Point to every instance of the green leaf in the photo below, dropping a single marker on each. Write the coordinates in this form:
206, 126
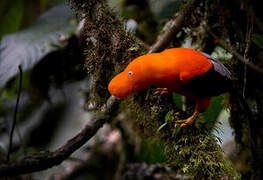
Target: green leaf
169, 116
27, 47
213, 110
258, 40
176, 130
177, 100
11, 14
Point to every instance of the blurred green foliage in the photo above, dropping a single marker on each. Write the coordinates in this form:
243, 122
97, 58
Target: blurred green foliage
11, 16
44, 4
10, 91
151, 152
18, 14
177, 100
258, 40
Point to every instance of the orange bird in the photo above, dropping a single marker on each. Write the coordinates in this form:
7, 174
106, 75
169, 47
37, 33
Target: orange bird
184, 71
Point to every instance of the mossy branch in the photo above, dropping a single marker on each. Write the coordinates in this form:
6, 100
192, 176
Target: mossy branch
44, 160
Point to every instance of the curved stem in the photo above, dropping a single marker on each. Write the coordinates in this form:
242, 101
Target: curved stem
15, 113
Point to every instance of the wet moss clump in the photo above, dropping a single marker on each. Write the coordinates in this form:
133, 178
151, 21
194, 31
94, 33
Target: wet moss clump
148, 111
108, 46
195, 152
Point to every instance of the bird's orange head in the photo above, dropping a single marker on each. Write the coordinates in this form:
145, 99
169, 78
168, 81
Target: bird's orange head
121, 85
132, 79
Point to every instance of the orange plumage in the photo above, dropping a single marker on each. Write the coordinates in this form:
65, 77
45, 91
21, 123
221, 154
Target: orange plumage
180, 70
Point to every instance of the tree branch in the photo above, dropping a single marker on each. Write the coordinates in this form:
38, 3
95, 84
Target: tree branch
175, 26
144, 171
45, 160
234, 52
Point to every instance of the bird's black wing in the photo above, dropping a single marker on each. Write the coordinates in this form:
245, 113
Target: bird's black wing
219, 67
214, 82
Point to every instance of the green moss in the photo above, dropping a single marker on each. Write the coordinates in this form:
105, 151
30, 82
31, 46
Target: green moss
108, 47
135, 47
171, 116
197, 154
148, 111
42, 155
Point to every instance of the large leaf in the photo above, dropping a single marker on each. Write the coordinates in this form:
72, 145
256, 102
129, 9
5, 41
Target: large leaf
27, 47
215, 107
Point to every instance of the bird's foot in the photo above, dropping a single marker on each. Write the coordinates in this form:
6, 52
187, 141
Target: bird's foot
161, 91
187, 121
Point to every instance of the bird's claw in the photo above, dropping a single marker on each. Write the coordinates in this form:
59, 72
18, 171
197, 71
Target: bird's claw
182, 123
160, 91
187, 121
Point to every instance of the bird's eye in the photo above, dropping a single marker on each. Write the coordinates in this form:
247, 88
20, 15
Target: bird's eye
130, 73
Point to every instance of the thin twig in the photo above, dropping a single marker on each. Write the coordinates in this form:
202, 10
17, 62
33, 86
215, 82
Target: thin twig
175, 26
250, 23
252, 132
15, 113
234, 52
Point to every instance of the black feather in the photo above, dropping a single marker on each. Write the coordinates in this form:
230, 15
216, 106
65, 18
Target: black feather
218, 66
214, 82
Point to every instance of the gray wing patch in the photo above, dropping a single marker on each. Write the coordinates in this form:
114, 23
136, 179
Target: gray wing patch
218, 66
